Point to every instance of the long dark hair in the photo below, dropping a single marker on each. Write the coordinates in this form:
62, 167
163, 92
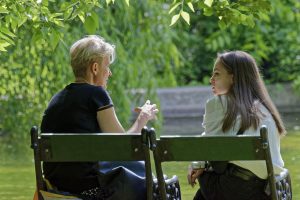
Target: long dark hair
247, 91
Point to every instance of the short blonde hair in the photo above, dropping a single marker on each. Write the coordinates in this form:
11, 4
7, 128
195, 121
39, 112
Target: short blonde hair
89, 50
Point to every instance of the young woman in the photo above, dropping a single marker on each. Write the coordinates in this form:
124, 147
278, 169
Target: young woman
240, 106
85, 106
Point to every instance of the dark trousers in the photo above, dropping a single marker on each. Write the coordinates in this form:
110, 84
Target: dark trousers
225, 186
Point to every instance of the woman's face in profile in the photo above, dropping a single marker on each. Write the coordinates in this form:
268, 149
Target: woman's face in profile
103, 73
221, 81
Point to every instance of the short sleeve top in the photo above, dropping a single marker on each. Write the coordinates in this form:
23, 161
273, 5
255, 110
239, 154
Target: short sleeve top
74, 110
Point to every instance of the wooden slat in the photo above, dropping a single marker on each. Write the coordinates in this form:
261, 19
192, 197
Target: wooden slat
221, 148
91, 147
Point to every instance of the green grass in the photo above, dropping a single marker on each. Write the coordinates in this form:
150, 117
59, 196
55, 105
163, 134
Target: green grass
17, 180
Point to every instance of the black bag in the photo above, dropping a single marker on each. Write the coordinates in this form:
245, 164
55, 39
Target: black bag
127, 181
219, 166
123, 180
283, 186
172, 188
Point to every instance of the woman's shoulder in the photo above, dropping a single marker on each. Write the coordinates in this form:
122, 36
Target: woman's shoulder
86, 91
216, 103
88, 88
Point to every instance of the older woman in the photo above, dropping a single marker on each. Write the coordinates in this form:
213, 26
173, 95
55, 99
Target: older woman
84, 106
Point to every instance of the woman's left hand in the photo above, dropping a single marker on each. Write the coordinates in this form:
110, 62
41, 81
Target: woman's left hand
193, 174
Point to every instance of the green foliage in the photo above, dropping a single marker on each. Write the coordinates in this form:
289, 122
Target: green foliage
227, 12
36, 36
274, 42
46, 16
37, 66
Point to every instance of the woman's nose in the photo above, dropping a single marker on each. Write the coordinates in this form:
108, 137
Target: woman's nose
211, 80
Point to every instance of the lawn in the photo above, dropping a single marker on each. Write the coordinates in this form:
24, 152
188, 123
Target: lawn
17, 180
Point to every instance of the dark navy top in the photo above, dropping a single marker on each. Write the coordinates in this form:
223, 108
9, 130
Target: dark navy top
74, 110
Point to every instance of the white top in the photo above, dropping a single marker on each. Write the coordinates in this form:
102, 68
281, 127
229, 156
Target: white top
215, 110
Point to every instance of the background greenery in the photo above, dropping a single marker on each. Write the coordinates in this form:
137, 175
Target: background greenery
274, 42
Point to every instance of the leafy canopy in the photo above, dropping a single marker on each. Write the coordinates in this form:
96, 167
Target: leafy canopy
46, 17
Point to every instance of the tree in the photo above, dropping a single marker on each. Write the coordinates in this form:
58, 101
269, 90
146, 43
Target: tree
274, 42
31, 72
47, 17
36, 36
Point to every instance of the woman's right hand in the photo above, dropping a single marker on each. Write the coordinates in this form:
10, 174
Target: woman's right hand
147, 112
193, 174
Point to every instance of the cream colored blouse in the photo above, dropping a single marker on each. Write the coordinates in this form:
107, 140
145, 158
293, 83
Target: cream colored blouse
215, 110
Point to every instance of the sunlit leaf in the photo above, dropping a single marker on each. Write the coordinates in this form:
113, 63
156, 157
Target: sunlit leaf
174, 19
21, 21
3, 10
5, 30
250, 22
14, 23
191, 6
186, 17
222, 24
81, 17
208, 11
3, 45
89, 25
96, 19
71, 5
208, 2
174, 7
36, 36
54, 39
9, 40
243, 8
109, 2
127, 2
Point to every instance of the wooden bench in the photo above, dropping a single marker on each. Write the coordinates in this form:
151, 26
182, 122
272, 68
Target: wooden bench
59, 147
221, 148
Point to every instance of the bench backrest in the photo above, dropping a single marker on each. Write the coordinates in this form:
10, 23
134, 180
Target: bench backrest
61, 147
213, 148
219, 148
90, 147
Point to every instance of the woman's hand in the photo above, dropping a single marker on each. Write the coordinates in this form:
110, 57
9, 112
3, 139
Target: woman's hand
147, 112
193, 174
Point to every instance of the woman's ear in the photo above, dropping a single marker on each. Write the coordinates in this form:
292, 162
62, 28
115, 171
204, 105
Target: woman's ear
94, 68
